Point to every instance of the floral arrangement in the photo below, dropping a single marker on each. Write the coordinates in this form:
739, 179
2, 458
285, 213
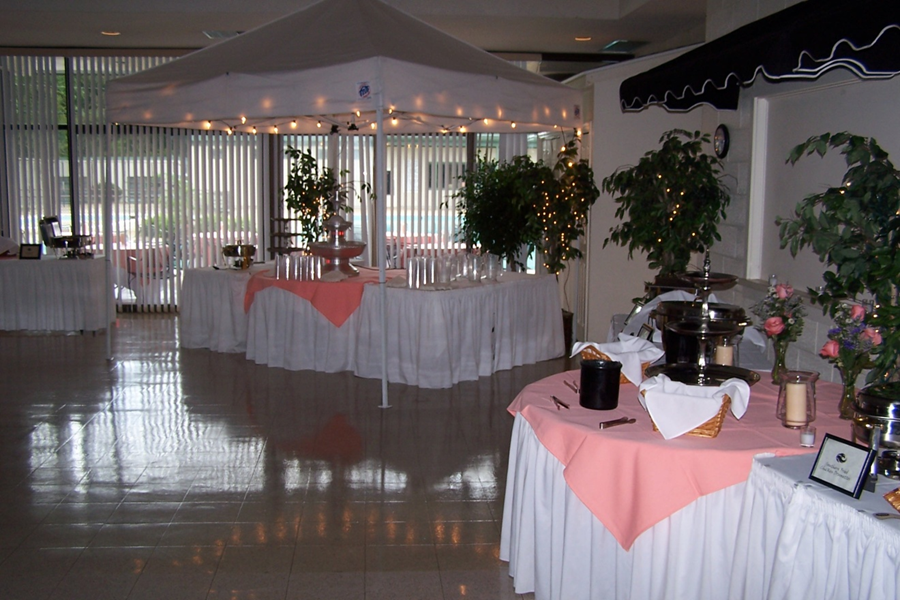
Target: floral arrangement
782, 314
849, 347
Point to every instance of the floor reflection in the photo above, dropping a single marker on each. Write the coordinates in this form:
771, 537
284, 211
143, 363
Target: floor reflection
207, 476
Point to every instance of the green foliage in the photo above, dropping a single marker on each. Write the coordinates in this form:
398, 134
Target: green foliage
564, 212
520, 204
315, 195
673, 200
854, 229
496, 205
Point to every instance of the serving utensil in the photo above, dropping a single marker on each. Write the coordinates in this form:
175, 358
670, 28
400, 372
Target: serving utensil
614, 422
884, 516
559, 402
571, 385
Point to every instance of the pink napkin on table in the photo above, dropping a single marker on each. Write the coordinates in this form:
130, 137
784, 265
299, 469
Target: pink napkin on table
335, 300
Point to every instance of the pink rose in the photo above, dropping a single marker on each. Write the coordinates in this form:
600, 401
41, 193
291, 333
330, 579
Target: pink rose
857, 312
784, 291
830, 349
872, 334
773, 326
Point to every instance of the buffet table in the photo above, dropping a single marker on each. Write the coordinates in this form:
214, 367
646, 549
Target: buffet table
622, 513
800, 540
53, 294
434, 338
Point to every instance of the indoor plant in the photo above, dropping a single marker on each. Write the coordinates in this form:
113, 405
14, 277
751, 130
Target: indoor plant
566, 204
522, 205
315, 195
496, 206
854, 229
671, 202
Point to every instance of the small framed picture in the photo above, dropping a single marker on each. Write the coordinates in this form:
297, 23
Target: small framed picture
842, 465
29, 251
646, 332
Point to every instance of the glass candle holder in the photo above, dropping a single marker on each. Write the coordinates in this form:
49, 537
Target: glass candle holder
727, 352
796, 406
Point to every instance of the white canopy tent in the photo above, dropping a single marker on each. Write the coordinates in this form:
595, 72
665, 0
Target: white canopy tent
344, 62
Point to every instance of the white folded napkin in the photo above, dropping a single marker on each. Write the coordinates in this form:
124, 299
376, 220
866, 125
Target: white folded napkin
676, 408
333, 276
397, 282
631, 351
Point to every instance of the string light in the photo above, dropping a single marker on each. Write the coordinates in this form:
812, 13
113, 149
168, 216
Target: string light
319, 124
294, 124
275, 129
207, 124
513, 124
253, 130
243, 120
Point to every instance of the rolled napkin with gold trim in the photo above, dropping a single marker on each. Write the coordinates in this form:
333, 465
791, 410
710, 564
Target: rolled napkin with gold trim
633, 352
677, 408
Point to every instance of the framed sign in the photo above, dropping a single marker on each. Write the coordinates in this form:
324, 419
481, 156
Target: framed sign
842, 465
30, 251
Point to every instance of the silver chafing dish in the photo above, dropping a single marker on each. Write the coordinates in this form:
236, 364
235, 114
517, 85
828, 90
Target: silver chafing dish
240, 254
879, 406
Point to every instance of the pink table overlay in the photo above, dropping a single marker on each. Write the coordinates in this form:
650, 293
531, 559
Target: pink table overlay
631, 478
335, 300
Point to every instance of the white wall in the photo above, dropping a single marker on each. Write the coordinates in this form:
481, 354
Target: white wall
796, 111
620, 139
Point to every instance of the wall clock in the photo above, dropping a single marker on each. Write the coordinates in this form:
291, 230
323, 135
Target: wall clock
720, 141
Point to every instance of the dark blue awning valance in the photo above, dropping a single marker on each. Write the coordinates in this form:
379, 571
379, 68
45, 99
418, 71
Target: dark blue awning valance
801, 42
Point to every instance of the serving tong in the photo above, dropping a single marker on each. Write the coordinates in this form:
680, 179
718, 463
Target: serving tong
614, 422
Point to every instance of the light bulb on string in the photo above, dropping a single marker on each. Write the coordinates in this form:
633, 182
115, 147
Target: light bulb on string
243, 120
294, 124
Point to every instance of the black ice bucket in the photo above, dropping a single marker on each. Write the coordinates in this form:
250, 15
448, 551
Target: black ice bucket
600, 384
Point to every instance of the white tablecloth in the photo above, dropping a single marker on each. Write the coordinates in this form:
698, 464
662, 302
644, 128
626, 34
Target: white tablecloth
799, 540
768, 538
212, 309
435, 338
559, 550
53, 294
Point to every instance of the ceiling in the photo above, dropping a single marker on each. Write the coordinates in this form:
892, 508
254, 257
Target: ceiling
539, 33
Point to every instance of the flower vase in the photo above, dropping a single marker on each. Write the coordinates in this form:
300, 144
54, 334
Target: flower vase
780, 365
848, 394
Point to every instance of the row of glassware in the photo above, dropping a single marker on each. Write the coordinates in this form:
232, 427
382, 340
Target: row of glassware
301, 267
442, 270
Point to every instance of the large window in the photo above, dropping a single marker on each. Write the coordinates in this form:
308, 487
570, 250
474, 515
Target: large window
177, 196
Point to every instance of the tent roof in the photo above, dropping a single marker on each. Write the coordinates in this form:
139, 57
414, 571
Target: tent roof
335, 58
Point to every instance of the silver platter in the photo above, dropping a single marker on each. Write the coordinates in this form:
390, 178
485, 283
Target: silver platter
692, 374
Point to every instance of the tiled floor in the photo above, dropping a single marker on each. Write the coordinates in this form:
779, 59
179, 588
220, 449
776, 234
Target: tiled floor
186, 474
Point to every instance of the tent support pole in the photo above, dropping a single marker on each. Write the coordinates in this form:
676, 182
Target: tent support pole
107, 241
381, 235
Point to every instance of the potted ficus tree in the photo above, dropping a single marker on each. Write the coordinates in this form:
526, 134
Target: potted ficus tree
670, 203
496, 207
511, 209
854, 229
315, 195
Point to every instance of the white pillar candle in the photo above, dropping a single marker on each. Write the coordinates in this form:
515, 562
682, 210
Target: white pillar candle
795, 404
725, 355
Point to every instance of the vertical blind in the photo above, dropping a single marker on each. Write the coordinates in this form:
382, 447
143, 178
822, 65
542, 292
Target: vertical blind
178, 196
